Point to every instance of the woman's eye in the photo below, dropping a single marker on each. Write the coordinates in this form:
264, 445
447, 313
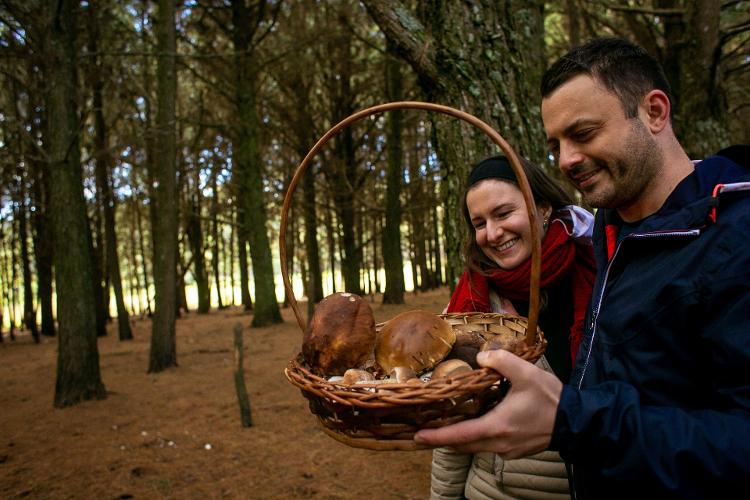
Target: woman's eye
503, 215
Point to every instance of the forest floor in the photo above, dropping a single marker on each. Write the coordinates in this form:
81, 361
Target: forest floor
177, 434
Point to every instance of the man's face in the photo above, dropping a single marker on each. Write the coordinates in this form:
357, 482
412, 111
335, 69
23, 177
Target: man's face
610, 158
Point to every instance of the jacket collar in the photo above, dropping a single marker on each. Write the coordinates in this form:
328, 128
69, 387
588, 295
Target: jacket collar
691, 202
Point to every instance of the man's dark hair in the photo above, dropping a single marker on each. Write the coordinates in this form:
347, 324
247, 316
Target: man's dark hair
625, 69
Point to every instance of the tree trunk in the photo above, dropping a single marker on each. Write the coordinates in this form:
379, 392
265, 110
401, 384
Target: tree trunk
43, 249
29, 313
377, 237
485, 58
8, 276
573, 15
418, 204
144, 262
247, 301
101, 153
232, 238
248, 164
78, 375
135, 282
393, 259
701, 120
195, 236
331, 232
435, 222
215, 236
310, 219
97, 264
163, 352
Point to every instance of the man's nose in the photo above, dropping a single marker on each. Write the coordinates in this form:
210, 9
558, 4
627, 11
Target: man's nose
569, 157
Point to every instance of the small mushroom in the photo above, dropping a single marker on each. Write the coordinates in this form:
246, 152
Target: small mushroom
355, 375
402, 374
416, 339
451, 368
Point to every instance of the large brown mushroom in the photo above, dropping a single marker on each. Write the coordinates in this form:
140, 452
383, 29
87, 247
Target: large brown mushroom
508, 341
340, 335
468, 344
415, 339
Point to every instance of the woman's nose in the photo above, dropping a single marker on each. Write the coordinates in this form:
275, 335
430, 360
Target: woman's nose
494, 231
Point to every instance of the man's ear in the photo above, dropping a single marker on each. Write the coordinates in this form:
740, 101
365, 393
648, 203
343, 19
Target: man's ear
656, 108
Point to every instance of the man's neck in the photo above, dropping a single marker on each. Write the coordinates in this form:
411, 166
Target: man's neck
676, 167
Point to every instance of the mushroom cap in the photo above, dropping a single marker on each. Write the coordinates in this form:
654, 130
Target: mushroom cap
506, 341
402, 374
340, 335
450, 368
416, 339
468, 344
354, 375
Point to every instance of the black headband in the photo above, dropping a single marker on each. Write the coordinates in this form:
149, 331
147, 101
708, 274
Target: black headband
497, 167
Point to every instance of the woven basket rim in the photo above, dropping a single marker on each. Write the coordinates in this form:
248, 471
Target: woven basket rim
369, 395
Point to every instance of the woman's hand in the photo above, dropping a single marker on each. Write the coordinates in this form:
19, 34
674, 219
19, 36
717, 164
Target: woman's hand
520, 425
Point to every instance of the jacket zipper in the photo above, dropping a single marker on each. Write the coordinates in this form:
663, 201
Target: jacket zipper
595, 312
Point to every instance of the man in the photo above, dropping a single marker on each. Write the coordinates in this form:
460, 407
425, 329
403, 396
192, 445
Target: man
659, 401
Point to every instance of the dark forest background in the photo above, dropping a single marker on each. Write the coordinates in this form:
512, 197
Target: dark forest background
146, 147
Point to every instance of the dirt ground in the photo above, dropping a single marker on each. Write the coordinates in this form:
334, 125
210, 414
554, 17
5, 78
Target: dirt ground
177, 434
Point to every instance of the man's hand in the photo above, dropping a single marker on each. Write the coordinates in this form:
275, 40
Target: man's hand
520, 425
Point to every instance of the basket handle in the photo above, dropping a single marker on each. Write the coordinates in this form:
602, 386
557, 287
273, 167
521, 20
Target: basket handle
447, 110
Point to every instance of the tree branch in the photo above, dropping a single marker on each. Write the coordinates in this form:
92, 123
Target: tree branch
643, 10
407, 34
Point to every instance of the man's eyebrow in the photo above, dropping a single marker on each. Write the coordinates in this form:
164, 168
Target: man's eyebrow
579, 123
551, 141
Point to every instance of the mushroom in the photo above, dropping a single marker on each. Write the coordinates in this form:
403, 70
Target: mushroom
507, 341
468, 344
450, 368
415, 339
340, 335
355, 375
402, 374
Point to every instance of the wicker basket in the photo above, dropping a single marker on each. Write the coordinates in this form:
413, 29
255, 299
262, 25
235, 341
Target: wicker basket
386, 416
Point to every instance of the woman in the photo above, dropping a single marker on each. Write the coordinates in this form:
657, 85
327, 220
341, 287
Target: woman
497, 279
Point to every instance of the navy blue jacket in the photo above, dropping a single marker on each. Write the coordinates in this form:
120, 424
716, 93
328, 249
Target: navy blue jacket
659, 402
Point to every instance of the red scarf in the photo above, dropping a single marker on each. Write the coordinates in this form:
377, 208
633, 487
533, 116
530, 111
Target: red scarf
560, 255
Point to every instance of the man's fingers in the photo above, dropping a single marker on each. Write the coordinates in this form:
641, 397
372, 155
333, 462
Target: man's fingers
461, 433
508, 364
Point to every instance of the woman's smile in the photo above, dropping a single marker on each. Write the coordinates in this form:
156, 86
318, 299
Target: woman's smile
507, 245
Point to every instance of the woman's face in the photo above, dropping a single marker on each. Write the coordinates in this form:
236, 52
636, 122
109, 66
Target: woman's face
501, 222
